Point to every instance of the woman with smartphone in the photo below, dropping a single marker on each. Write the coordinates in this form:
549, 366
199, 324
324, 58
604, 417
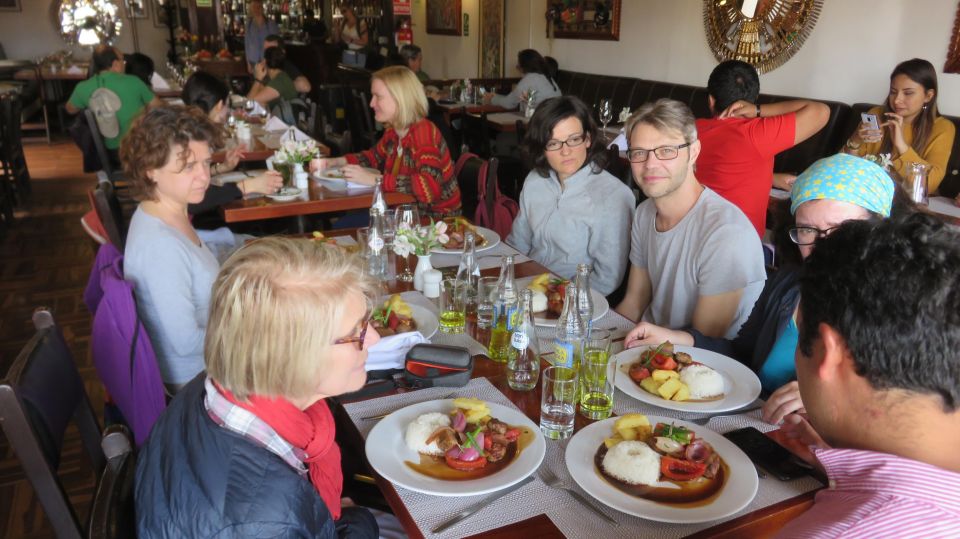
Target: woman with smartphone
820, 201
908, 126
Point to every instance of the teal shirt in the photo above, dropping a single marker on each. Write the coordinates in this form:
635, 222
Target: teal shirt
779, 368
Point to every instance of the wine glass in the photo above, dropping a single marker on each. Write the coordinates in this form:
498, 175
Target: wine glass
606, 114
409, 215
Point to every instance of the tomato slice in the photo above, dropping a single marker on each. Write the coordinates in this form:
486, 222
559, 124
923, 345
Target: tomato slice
639, 374
512, 435
681, 470
465, 466
663, 362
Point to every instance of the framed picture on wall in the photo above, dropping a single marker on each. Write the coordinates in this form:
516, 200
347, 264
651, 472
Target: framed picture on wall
160, 14
136, 9
584, 19
491, 39
9, 5
444, 17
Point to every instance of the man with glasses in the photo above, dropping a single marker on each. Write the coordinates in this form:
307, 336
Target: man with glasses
742, 139
695, 261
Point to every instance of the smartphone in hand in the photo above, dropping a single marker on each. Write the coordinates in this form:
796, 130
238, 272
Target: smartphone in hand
870, 120
766, 453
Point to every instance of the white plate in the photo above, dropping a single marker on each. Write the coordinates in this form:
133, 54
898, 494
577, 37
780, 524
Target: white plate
387, 452
740, 384
286, 194
739, 490
600, 305
237, 175
427, 323
335, 174
491, 237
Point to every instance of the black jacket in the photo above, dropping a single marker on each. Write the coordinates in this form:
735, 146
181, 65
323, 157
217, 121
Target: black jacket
197, 479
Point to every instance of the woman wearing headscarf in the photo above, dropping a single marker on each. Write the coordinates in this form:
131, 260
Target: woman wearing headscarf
833, 190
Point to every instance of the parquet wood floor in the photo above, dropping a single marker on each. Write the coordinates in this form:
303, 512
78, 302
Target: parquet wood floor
45, 259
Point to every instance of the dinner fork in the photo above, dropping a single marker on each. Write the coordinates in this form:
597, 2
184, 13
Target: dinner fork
702, 421
554, 481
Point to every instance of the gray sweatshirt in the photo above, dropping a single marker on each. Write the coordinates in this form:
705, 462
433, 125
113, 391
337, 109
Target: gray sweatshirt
545, 90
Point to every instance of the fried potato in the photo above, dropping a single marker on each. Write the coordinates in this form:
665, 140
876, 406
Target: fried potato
651, 385
682, 394
669, 388
469, 403
662, 375
539, 283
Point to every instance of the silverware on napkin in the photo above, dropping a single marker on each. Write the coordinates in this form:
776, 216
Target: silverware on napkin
469, 511
385, 414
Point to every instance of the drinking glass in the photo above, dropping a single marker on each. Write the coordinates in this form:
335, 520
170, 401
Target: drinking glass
286, 172
597, 376
606, 114
558, 402
389, 235
453, 297
409, 215
486, 295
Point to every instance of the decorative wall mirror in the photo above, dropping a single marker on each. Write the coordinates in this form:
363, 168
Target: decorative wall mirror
763, 33
584, 19
953, 52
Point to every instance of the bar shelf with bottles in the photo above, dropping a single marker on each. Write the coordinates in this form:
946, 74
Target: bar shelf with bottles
289, 15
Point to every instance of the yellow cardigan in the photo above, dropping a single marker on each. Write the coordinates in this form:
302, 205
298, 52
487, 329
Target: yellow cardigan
935, 155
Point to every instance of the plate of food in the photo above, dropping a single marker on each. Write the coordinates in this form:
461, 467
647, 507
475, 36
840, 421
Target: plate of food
335, 174
548, 299
457, 227
661, 469
395, 316
286, 194
455, 447
685, 378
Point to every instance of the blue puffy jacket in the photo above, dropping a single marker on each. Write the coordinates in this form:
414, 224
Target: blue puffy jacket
196, 479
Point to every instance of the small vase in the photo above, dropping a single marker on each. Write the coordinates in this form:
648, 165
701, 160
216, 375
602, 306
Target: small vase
423, 264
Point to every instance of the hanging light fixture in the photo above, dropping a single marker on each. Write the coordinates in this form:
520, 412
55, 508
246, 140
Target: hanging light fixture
89, 22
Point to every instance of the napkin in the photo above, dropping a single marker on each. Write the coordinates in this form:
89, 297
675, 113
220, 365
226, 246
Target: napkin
297, 135
620, 141
275, 124
391, 351
76, 70
158, 82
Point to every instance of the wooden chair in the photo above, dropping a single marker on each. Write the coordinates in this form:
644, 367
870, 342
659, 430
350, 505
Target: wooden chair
113, 514
113, 173
360, 120
476, 133
468, 179
108, 208
13, 160
40, 394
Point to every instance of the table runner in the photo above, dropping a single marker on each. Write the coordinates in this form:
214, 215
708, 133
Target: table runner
570, 517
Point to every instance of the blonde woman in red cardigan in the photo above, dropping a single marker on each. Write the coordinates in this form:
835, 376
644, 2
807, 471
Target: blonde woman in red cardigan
412, 156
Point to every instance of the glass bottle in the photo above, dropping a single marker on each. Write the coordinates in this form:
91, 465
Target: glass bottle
523, 365
469, 272
376, 246
917, 183
503, 312
379, 204
584, 297
531, 103
568, 344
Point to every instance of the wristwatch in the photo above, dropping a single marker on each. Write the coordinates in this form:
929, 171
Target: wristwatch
758, 110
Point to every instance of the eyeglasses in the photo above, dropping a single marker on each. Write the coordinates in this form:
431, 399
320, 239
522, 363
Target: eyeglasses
572, 141
807, 235
663, 153
359, 339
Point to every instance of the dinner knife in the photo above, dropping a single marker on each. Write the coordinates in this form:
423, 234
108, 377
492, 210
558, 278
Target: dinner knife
469, 511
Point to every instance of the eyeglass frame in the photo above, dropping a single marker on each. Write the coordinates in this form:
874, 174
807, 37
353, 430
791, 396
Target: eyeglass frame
583, 134
793, 231
675, 147
359, 339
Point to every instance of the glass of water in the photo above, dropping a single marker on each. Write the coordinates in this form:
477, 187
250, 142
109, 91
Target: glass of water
406, 214
486, 293
558, 402
453, 298
597, 376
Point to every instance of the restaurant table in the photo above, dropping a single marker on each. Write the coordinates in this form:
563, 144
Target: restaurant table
525, 513
455, 109
318, 199
505, 122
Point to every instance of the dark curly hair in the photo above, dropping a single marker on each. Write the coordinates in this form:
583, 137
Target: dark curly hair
731, 81
891, 289
154, 134
540, 130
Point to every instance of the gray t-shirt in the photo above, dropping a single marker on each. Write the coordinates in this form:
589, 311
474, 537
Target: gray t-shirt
585, 223
714, 249
173, 280
545, 87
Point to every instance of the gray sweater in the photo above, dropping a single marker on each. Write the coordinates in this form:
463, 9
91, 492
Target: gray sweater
545, 88
585, 222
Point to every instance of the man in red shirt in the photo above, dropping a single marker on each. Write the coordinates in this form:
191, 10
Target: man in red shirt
741, 140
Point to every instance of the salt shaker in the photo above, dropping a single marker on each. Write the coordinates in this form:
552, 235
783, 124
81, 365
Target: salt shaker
431, 283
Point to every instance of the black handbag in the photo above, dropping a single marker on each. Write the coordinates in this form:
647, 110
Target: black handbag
433, 365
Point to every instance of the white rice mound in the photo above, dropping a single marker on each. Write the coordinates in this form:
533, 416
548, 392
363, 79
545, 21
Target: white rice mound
539, 302
703, 381
421, 428
633, 462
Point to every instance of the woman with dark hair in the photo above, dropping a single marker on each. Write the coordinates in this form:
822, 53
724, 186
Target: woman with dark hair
571, 210
911, 128
166, 158
210, 94
353, 30
536, 76
270, 82
139, 65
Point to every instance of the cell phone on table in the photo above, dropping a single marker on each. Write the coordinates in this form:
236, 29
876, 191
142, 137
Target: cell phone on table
871, 120
766, 453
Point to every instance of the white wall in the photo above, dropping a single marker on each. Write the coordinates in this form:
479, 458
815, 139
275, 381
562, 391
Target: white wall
848, 56
30, 33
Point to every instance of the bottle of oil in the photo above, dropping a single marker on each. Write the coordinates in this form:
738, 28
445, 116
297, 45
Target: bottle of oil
504, 310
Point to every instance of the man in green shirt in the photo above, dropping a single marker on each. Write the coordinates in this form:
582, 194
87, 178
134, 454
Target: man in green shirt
414, 57
132, 93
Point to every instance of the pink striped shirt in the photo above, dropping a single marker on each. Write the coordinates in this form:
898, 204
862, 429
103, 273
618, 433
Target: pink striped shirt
875, 495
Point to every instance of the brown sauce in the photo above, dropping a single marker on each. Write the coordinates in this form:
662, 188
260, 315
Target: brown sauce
436, 467
696, 493
625, 369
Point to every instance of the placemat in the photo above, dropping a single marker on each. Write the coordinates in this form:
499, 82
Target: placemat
464, 340
570, 517
485, 259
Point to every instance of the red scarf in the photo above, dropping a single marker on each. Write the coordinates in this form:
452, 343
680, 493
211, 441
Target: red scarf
311, 430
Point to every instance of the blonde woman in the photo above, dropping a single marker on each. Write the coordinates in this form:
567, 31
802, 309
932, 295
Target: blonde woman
412, 156
247, 449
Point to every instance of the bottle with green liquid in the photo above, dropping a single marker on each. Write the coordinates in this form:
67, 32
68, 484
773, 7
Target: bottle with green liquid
504, 311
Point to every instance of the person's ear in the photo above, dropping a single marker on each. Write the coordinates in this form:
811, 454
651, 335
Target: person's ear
712, 103
835, 353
